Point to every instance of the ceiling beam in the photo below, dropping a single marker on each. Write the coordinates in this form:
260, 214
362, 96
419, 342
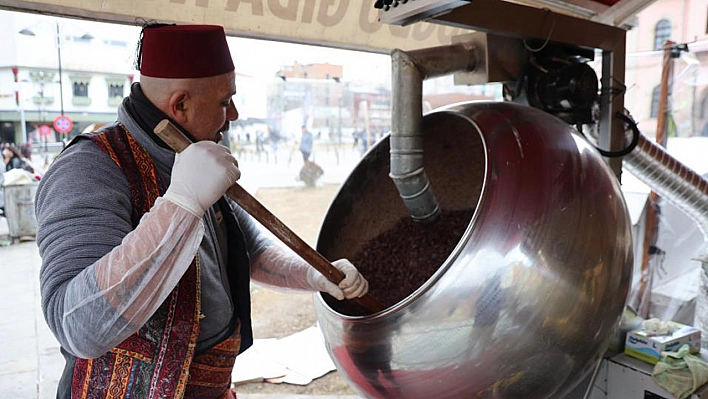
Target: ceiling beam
622, 12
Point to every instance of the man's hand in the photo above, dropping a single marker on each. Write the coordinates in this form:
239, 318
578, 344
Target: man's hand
201, 174
354, 284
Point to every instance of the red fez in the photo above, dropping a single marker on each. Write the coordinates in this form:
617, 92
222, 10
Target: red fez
185, 51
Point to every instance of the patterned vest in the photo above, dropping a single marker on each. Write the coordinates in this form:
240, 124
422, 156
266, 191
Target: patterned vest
159, 360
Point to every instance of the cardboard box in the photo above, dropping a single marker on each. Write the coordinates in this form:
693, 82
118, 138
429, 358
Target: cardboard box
630, 378
644, 347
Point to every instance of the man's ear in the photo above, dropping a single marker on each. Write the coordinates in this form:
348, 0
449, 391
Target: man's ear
178, 106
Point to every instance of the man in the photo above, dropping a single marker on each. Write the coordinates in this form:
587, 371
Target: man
2, 191
306, 144
11, 158
146, 265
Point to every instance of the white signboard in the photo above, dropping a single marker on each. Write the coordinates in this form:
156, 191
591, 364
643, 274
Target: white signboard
349, 24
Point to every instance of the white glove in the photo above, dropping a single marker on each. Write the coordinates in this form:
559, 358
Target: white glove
354, 284
201, 174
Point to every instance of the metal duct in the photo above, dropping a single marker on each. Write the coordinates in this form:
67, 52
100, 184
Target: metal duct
684, 188
672, 180
409, 71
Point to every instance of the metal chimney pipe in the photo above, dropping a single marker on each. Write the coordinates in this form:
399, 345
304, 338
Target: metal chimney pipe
409, 69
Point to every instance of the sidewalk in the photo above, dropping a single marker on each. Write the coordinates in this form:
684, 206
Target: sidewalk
263, 171
30, 362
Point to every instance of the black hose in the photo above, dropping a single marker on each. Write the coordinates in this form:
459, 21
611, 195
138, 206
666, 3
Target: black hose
635, 138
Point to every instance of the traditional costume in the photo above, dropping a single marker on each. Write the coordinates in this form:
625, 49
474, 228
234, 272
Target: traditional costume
93, 197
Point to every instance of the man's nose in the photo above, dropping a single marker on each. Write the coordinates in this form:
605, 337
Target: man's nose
232, 114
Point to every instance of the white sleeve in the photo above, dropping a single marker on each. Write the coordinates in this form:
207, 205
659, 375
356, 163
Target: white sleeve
280, 268
111, 299
101, 279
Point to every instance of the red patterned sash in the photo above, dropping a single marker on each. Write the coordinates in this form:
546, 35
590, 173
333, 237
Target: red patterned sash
210, 372
154, 362
158, 361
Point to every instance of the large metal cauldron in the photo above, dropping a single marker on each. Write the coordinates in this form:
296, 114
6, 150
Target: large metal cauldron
526, 303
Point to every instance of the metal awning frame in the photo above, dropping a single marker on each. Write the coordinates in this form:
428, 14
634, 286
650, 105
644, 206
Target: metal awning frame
524, 22
620, 14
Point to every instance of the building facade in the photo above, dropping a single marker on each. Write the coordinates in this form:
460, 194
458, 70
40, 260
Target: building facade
51, 67
680, 21
312, 95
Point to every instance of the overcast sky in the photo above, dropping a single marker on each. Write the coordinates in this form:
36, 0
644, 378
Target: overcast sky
258, 58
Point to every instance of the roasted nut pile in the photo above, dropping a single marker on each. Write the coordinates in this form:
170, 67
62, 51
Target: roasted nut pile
401, 259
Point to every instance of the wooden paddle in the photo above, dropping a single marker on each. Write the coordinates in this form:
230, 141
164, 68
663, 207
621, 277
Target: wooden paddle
178, 142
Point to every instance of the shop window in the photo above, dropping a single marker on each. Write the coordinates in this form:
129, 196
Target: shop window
703, 112
80, 90
655, 102
42, 81
662, 33
115, 89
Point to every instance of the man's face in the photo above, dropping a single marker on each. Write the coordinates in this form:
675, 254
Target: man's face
212, 108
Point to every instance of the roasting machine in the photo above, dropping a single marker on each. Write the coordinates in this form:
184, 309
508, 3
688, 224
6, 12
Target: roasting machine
525, 301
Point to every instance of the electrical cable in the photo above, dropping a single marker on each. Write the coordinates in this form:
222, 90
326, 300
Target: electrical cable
635, 138
548, 38
613, 90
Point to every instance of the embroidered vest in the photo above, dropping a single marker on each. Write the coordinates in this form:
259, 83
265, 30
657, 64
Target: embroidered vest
159, 360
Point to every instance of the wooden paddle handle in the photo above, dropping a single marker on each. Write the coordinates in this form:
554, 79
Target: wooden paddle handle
166, 131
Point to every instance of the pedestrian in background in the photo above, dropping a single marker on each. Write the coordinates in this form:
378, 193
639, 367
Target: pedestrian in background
306, 142
2, 191
11, 158
26, 150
